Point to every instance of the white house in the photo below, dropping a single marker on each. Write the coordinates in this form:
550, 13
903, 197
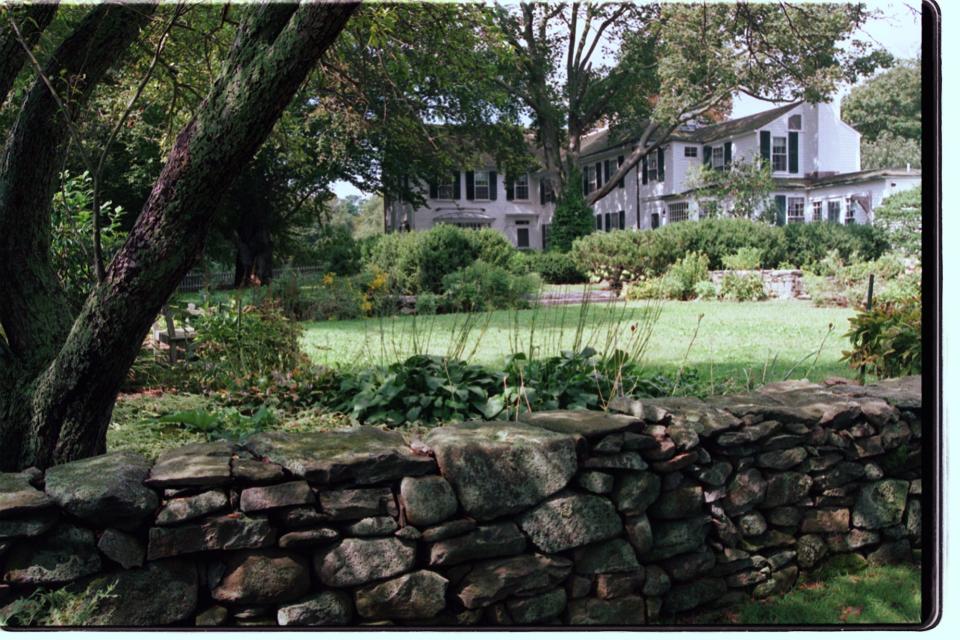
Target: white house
814, 156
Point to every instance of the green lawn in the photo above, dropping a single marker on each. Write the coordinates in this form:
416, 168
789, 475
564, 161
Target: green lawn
766, 339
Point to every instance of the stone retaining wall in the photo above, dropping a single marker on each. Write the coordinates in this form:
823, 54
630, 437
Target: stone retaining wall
671, 506
781, 284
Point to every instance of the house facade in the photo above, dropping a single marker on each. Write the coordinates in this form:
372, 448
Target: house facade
814, 157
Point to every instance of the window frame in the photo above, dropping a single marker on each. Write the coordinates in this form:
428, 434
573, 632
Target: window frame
790, 120
524, 182
479, 176
817, 214
653, 167
849, 215
526, 230
684, 206
440, 191
591, 173
835, 202
792, 217
774, 155
687, 154
717, 162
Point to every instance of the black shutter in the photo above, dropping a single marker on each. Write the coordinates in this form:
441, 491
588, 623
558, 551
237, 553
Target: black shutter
469, 175
599, 222
644, 170
794, 151
623, 220
661, 170
765, 145
433, 189
543, 191
707, 155
508, 187
606, 171
456, 185
781, 210
586, 186
621, 184
654, 220
727, 155
599, 168
493, 185
606, 222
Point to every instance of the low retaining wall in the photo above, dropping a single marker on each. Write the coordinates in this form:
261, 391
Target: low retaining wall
782, 284
571, 517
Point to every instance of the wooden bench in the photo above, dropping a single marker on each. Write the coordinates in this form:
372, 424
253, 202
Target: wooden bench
168, 334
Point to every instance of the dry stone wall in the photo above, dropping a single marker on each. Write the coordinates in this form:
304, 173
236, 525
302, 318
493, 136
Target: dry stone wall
660, 507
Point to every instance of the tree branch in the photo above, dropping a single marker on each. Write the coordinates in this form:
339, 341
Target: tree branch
32, 21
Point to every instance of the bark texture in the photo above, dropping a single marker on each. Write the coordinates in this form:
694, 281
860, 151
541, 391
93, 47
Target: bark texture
70, 401
31, 20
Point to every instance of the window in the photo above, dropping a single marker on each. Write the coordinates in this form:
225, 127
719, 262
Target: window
445, 191
678, 212
794, 123
689, 152
590, 175
546, 191
794, 210
779, 153
523, 237
817, 211
833, 211
521, 188
851, 217
652, 167
716, 158
481, 185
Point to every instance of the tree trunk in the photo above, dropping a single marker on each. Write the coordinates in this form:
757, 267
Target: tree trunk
254, 258
70, 401
31, 20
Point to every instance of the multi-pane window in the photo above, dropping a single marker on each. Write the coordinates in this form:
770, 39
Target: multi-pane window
679, 211
794, 122
445, 191
652, 167
817, 211
689, 152
833, 211
779, 154
716, 158
851, 214
590, 172
521, 188
481, 185
794, 210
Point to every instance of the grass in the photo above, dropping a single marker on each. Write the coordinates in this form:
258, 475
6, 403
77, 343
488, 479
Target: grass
874, 595
743, 341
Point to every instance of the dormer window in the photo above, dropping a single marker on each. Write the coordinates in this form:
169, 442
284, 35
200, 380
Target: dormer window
795, 123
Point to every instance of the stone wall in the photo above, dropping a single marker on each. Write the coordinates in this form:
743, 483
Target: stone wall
780, 284
670, 506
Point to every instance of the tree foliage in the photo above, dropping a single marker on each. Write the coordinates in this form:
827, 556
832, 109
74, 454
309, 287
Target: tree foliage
572, 218
743, 191
901, 216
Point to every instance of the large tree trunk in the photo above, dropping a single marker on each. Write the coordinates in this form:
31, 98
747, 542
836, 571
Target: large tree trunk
31, 20
70, 401
254, 257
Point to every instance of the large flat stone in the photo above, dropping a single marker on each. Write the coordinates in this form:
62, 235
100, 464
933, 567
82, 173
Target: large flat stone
232, 531
18, 496
538, 608
502, 539
62, 556
160, 593
263, 577
28, 525
608, 556
353, 504
500, 468
674, 537
414, 596
571, 520
188, 508
356, 561
198, 465
364, 455
493, 580
104, 490
582, 422
324, 608
275, 496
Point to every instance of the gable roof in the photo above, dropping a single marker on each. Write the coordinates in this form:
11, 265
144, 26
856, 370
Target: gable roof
599, 141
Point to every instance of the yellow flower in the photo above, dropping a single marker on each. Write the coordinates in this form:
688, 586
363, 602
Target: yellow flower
328, 279
366, 306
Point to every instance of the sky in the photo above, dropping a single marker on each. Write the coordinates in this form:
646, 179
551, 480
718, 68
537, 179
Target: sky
897, 29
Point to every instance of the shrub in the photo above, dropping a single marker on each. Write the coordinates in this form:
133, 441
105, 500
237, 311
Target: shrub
250, 340
886, 339
615, 257
900, 216
337, 251
484, 287
743, 288
846, 284
679, 283
573, 217
745, 258
808, 244
554, 267
705, 290
416, 262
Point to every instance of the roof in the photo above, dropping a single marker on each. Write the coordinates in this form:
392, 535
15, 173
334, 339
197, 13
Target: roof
599, 141
462, 215
852, 177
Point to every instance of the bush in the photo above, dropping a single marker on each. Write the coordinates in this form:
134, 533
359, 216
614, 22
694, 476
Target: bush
679, 283
253, 340
808, 244
846, 284
416, 262
886, 339
615, 257
484, 287
901, 217
552, 266
337, 251
573, 217
705, 290
742, 288
745, 259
